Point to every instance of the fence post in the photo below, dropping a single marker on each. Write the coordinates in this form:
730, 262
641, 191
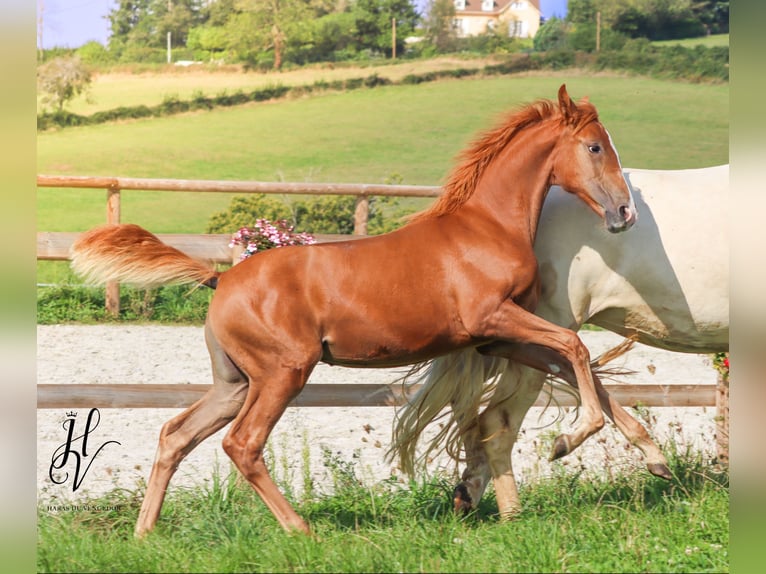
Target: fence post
361, 215
722, 419
112, 290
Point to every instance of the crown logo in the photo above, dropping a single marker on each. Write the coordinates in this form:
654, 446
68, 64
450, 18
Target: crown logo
72, 414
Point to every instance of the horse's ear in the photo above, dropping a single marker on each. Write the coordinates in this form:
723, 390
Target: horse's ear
566, 105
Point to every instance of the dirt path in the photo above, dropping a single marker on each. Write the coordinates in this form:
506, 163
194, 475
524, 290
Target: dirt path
164, 354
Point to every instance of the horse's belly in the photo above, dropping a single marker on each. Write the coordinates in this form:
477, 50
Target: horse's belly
673, 333
360, 350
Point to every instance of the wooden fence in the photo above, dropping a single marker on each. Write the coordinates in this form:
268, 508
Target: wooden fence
215, 248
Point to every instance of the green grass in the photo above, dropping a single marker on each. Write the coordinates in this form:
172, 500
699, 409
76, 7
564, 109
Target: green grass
707, 41
631, 523
365, 136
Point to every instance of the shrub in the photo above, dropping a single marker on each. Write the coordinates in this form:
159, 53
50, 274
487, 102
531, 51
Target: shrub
62, 79
332, 214
94, 53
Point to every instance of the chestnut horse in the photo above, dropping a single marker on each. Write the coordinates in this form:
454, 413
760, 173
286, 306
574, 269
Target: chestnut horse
461, 274
666, 284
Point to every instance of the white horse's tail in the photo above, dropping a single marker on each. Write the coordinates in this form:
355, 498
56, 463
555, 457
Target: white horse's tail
460, 380
465, 381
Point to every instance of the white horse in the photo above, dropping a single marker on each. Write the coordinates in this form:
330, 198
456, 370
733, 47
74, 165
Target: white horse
664, 284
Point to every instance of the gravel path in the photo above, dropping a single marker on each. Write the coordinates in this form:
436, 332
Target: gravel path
167, 354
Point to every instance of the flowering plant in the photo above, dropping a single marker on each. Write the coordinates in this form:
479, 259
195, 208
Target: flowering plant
268, 235
721, 364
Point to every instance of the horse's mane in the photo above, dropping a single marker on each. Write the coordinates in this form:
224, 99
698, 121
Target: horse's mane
474, 160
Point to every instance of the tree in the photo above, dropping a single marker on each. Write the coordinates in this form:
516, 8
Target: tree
271, 24
141, 25
552, 35
62, 79
373, 24
439, 30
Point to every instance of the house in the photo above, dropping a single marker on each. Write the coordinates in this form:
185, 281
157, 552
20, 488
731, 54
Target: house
473, 17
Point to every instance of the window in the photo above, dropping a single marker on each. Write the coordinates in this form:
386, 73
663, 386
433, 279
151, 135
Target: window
518, 29
488, 5
459, 4
519, 5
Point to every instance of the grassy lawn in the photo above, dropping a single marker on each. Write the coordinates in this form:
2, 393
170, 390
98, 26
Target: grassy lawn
411, 133
570, 523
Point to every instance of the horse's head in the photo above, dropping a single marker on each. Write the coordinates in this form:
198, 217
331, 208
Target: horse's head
586, 163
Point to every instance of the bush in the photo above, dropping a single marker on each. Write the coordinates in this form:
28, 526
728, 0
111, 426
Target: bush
63, 79
641, 57
94, 54
333, 214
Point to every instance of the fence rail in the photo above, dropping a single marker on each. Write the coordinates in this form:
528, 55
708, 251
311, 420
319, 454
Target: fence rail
124, 396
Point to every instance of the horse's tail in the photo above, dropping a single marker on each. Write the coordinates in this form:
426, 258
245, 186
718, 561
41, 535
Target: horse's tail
129, 254
458, 381
465, 381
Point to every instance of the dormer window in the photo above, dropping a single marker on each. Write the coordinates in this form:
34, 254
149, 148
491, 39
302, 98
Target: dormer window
459, 4
488, 5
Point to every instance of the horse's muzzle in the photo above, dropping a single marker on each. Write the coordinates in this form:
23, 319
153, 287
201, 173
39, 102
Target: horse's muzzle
621, 220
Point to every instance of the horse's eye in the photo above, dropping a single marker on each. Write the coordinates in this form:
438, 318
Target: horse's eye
594, 148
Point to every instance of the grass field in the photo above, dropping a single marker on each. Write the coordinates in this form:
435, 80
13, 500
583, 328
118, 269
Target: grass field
364, 136
570, 523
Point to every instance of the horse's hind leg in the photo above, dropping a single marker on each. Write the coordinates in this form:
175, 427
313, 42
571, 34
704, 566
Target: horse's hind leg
182, 433
489, 445
517, 390
269, 394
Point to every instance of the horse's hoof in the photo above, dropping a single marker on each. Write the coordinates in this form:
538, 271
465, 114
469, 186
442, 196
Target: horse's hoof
660, 469
461, 500
560, 447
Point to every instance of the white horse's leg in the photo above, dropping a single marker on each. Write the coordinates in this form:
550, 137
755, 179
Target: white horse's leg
516, 392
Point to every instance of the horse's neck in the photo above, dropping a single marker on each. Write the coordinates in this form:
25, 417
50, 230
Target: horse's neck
513, 188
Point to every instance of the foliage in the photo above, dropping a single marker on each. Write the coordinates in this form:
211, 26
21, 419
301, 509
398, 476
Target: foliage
140, 28
551, 35
437, 25
653, 19
77, 303
721, 364
333, 214
93, 54
373, 24
678, 62
62, 79
169, 106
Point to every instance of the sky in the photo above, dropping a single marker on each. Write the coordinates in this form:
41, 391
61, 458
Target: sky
72, 23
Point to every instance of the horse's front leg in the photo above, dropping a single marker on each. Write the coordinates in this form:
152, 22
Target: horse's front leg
512, 324
544, 359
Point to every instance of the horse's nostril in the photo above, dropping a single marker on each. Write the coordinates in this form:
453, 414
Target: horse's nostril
625, 212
